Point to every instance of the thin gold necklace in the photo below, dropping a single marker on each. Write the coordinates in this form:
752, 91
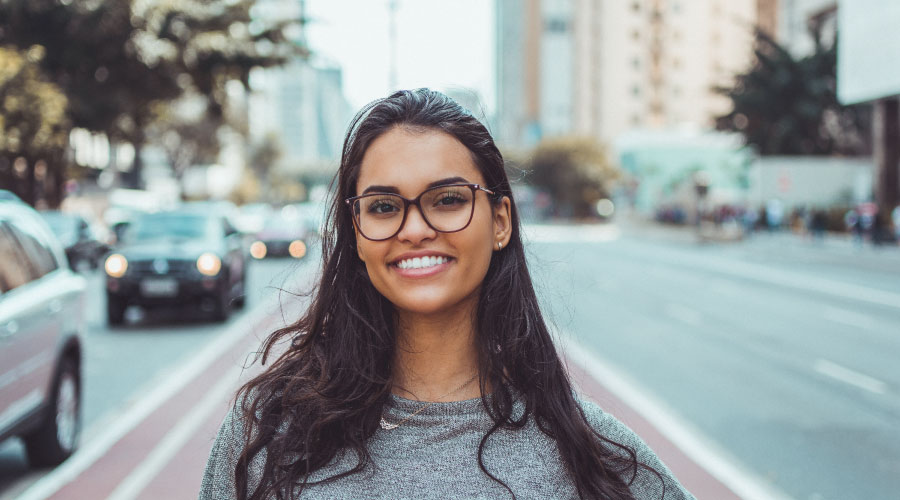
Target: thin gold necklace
389, 425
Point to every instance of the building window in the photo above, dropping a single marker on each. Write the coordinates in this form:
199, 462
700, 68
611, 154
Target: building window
636, 7
636, 90
636, 34
556, 25
636, 63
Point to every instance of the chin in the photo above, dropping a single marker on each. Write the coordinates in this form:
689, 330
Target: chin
427, 305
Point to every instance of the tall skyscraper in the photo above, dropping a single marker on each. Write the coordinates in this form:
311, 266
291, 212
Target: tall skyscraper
603, 67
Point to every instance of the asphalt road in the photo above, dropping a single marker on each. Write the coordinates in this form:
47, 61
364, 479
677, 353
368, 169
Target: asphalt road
123, 364
781, 352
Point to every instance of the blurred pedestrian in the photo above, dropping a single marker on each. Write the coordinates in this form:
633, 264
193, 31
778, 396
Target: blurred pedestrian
895, 221
818, 222
851, 221
423, 367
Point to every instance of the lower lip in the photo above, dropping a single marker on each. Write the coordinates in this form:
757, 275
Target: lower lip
422, 272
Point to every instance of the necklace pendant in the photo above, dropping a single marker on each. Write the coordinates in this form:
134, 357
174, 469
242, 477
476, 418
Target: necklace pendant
387, 425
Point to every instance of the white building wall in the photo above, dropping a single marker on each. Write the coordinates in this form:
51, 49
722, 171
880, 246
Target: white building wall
557, 67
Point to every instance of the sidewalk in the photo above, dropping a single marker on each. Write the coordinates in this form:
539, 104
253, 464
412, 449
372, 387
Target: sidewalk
158, 449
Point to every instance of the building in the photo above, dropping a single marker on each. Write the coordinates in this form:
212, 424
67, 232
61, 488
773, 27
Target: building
604, 67
302, 103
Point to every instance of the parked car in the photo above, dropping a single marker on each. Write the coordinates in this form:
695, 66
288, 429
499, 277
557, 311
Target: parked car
280, 237
41, 323
185, 256
82, 245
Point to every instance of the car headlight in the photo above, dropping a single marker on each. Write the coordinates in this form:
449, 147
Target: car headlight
258, 250
297, 249
116, 265
209, 264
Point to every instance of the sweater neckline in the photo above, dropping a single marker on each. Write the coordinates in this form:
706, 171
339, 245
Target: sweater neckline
442, 408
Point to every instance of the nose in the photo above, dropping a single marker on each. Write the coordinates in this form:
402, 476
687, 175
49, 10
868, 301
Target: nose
415, 229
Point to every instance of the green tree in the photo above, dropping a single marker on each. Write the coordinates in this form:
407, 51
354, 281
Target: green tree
574, 171
118, 60
788, 106
33, 128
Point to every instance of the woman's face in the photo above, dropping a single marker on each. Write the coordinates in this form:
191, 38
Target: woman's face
406, 162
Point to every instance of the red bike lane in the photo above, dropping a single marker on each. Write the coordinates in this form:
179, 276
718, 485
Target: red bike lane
162, 456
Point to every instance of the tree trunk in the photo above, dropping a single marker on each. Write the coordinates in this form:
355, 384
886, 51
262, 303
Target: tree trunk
133, 178
886, 138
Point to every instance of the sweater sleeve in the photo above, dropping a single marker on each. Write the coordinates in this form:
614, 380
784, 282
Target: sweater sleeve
218, 478
646, 484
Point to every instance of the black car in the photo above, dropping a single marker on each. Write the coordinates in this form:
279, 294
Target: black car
42, 304
184, 257
82, 246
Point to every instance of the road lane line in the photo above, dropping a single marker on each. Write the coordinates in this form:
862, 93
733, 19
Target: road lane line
692, 443
785, 278
138, 479
134, 415
848, 318
849, 376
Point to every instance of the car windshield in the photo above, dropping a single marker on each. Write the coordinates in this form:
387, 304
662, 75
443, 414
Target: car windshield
65, 227
171, 225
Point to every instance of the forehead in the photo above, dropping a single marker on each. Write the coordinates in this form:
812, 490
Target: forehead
411, 159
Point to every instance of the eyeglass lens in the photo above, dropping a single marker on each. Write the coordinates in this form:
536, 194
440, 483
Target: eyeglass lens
445, 208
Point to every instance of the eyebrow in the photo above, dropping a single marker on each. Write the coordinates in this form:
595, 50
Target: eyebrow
393, 189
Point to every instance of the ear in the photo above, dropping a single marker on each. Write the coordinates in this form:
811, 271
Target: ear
502, 223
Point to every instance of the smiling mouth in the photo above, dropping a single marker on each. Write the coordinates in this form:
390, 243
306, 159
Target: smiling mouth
422, 262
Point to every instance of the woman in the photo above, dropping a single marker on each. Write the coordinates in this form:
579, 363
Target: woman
423, 367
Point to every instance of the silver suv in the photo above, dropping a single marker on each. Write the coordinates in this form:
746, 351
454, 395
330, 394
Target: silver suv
41, 321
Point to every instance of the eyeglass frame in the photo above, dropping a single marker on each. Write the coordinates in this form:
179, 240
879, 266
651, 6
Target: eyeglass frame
416, 201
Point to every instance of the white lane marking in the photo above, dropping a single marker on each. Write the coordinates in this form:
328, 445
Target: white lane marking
589, 233
131, 417
691, 442
172, 443
684, 314
849, 318
790, 279
849, 376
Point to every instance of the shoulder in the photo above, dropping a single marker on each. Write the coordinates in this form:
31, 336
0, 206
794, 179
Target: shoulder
607, 425
653, 478
218, 477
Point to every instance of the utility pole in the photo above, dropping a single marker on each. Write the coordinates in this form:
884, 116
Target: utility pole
392, 34
886, 138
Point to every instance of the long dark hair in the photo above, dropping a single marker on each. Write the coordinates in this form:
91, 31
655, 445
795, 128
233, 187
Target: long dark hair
326, 391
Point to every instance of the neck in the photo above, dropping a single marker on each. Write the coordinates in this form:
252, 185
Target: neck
436, 354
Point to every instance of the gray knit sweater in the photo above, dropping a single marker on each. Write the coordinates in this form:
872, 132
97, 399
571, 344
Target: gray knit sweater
433, 455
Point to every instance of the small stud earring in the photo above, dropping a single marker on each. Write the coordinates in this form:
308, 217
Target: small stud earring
499, 246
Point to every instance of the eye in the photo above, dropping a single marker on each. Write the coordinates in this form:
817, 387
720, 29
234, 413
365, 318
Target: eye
383, 206
449, 199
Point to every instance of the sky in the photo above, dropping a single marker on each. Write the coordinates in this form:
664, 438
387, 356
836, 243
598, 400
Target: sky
440, 44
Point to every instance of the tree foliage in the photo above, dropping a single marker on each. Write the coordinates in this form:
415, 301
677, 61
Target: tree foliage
119, 62
33, 125
574, 171
788, 106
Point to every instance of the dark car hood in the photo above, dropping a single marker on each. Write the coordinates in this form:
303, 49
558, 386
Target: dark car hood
168, 248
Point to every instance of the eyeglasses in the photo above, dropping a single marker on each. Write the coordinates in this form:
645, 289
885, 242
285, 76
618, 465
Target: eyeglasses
446, 209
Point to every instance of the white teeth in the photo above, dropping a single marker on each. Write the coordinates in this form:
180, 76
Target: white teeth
421, 262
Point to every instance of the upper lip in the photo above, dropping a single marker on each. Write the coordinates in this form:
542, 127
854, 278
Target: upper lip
419, 253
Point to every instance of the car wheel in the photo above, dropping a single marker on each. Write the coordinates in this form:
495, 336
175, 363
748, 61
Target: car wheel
57, 437
115, 311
